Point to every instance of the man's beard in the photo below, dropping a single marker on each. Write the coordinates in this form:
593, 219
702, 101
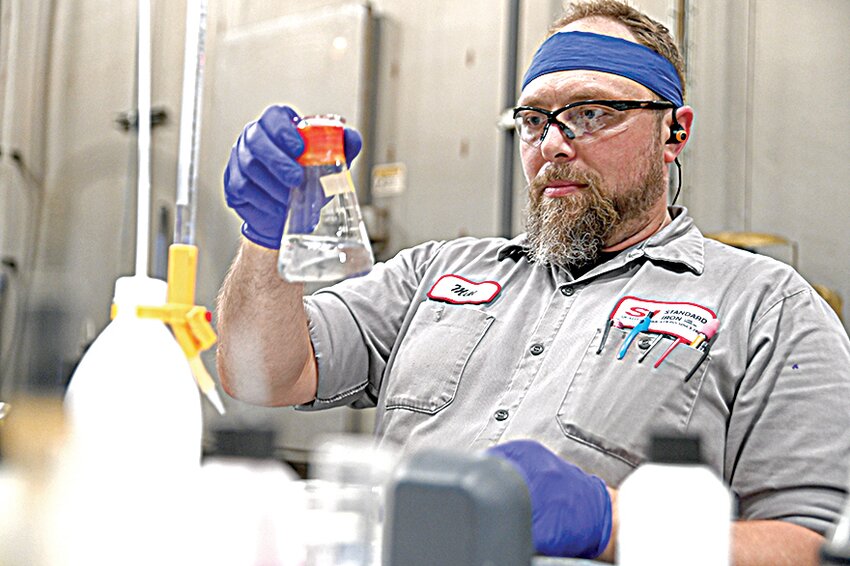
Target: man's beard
572, 230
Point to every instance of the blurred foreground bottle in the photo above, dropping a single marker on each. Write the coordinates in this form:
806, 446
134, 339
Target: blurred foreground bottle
32, 438
836, 549
324, 238
134, 413
674, 510
250, 506
344, 500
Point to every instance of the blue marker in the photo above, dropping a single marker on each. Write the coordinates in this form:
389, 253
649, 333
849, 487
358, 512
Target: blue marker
641, 326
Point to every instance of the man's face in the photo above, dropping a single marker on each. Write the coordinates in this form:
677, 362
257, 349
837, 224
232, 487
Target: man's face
594, 191
574, 213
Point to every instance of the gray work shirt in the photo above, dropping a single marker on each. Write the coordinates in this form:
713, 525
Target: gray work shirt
462, 369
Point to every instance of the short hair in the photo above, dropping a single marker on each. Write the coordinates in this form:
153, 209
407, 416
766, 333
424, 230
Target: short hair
647, 31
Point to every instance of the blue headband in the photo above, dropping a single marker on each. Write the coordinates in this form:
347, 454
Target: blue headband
566, 51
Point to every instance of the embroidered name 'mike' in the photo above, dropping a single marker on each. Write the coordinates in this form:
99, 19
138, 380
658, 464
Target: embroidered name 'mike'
461, 291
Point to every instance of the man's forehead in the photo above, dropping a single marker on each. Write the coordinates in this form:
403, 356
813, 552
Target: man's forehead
602, 26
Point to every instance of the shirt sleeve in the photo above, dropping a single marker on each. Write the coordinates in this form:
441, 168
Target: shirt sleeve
788, 446
355, 324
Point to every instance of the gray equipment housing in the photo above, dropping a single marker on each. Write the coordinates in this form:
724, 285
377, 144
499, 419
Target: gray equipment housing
457, 509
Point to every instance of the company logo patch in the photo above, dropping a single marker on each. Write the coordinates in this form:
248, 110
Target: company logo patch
461, 291
681, 319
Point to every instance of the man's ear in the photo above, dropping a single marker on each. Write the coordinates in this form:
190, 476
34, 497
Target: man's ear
677, 132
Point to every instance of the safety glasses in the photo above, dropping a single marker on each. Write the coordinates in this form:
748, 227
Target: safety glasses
583, 118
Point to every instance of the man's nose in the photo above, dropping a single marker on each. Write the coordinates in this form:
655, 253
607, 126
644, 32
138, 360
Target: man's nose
556, 146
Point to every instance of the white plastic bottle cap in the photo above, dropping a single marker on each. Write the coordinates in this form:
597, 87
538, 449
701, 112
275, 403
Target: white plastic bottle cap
135, 291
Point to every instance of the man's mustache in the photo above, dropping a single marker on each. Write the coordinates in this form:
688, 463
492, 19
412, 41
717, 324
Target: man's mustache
562, 172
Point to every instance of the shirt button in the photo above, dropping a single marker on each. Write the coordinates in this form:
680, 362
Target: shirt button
536, 349
644, 343
501, 415
567, 291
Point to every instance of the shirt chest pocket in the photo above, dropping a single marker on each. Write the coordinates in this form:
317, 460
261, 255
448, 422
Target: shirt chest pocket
615, 405
431, 359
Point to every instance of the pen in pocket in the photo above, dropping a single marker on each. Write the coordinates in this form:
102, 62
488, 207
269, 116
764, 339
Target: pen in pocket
703, 340
605, 332
608, 324
641, 326
651, 346
706, 332
706, 348
675, 343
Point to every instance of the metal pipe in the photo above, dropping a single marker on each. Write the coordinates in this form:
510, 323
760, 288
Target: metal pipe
143, 213
683, 32
371, 65
6, 129
508, 136
190, 121
749, 127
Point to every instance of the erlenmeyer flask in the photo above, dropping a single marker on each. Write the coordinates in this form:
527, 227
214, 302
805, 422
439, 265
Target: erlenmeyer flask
324, 238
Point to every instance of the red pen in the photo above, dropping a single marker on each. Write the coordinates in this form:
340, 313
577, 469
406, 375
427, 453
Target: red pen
675, 343
706, 332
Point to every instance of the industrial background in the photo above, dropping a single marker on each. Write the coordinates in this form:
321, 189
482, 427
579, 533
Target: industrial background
426, 82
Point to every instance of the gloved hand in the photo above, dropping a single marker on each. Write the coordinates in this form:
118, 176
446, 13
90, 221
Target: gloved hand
263, 169
570, 509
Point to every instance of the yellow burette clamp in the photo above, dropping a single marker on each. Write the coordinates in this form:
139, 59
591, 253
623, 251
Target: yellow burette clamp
190, 323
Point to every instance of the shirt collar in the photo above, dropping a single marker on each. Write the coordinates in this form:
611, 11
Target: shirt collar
678, 242
513, 248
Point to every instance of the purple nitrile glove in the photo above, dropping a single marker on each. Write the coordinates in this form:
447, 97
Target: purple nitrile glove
570, 509
262, 170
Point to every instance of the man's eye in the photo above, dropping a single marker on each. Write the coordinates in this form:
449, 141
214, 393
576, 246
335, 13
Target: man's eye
589, 119
592, 113
533, 120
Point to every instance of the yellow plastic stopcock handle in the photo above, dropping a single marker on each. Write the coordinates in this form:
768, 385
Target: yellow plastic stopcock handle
182, 276
199, 323
190, 323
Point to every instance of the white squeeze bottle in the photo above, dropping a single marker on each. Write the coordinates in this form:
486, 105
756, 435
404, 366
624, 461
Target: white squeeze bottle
134, 387
673, 509
134, 413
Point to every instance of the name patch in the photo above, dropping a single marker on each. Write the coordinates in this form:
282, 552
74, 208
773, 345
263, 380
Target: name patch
681, 319
459, 290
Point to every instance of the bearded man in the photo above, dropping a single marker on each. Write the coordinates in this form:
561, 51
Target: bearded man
576, 334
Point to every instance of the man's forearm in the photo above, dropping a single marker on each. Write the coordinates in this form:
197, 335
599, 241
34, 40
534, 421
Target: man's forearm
610, 552
753, 543
774, 543
264, 354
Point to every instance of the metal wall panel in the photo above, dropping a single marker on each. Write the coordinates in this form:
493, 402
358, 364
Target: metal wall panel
439, 101
715, 158
83, 161
801, 133
771, 128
